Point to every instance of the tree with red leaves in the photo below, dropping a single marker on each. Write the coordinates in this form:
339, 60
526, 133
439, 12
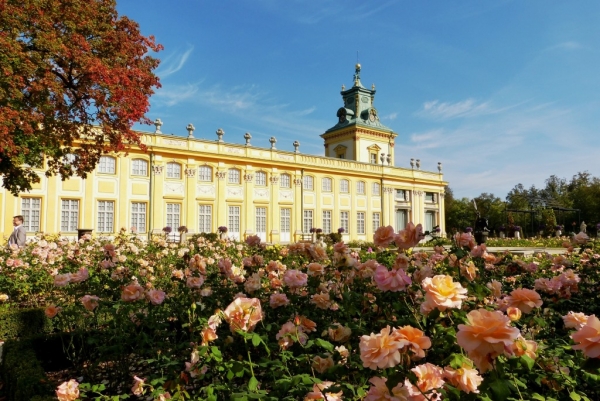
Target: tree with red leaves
74, 78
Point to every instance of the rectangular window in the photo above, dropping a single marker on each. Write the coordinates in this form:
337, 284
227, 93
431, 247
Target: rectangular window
429, 221
400, 195
173, 216
261, 178
205, 218
326, 221
344, 222
376, 221
285, 181
233, 218
360, 222
376, 189
307, 223
401, 219
360, 187
373, 158
173, 170
106, 165
30, 209
205, 173
344, 186
429, 197
308, 182
261, 219
233, 176
139, 167
326, 185
138, 217
285, 220
69, 215
106, 216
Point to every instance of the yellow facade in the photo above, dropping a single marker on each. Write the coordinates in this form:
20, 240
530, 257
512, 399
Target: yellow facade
278, 195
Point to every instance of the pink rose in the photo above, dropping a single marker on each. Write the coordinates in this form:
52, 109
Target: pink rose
61, 280
156, 297
524, 299
295, 278
379, 351
81, 275
138, 386
384, 236
394, 280
90, 302
195, 281
132, 292
410, 236
276, 300
52, 311
68, 391
253, 240
243, 314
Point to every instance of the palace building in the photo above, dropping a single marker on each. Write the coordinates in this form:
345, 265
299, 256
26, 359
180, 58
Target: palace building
277, 195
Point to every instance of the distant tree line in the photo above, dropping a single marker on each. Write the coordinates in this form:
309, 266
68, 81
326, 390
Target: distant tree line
560, 202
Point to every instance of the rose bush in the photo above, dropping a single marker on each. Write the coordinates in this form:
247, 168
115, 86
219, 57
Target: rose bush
215, 319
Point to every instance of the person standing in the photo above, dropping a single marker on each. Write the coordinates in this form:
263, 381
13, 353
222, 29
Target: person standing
19, 234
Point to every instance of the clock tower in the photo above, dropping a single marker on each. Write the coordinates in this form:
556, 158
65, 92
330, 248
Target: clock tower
359, 134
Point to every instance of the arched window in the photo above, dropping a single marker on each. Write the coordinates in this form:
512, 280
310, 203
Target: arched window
107, 165
308, 182
261, 178
344, 186
173, 170
139, 167
326, 184
285, 181
205, 173
233, 176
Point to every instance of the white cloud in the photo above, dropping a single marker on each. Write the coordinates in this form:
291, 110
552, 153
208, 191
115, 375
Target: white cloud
170, 95
446, 110
173, 63
391, 116
568, 45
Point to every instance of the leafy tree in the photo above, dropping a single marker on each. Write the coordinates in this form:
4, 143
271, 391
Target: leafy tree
74, 78
492, 208
584, 191
460, 213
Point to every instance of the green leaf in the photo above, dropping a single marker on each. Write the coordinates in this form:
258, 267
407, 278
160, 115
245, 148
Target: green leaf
325, 344
536, 396
253, 384
500, 389
527, 362
574, 396
256, 340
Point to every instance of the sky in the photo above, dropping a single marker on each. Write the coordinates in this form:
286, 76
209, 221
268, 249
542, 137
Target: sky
500, 92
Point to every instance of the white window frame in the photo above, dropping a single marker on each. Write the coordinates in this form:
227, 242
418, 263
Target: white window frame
285, 220
69, 215
261, 179
307, 221
376, 189
31, 211
308, 183
260, 218
376, 221
344, 186
107, 165
360, 187
204, 218
326, 184
233, 176
139, 167
233, 219
138, 216
174, 170
285, 181
205, 173
326, 221
345, 221
360, 222
106, 216
430, 197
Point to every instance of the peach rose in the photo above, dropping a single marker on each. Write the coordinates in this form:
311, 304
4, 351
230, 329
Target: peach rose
465, 378
417, 340
401, 262
321, 365
384, 236
486, 336
80, 276
496, 288
588, 337
381, 350
524, 299
132, 292
90, 302
307, 324
61, 280
522, 346
243, 314
138, 386
289, 334
208, 335
68, 391
429, 377
339, 333
380, 392
340, 247
322, 300
156, 297
195, 281
575, 320
410, 236
319, 393
315, 269
253, 283
295, 278
394, 280
465, 239
52, 311
442, 293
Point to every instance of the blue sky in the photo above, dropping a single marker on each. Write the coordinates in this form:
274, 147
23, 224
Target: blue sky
500, 92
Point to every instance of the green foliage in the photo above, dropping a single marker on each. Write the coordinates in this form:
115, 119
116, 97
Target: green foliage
19, 323
22, 372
